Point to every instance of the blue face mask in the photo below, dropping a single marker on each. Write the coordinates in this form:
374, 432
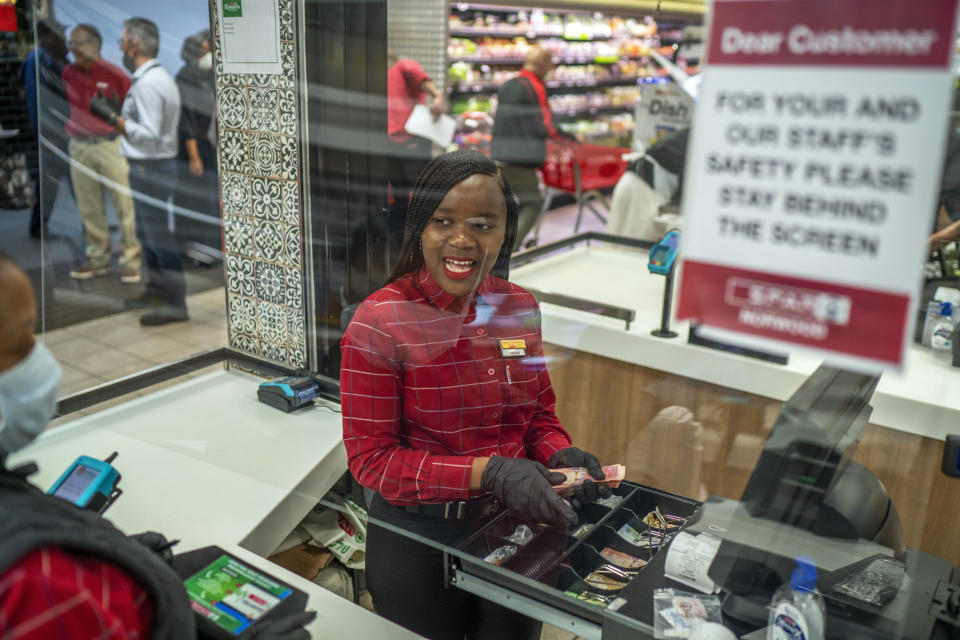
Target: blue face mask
28, 398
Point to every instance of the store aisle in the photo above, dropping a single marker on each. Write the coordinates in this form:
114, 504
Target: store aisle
558, 223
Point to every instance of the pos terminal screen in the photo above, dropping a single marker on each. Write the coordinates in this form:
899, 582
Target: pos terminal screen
76, 483
232, 595
659, 254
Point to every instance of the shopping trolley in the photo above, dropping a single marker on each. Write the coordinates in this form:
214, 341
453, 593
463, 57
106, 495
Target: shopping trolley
580, 170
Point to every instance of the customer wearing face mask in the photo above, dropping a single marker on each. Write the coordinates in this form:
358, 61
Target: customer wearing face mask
148, 123
197, 160
66, 573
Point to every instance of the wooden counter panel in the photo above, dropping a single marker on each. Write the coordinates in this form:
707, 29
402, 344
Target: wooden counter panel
709, 442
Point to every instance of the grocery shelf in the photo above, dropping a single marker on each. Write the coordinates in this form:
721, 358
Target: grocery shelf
469, 32
591, 111
473, 32
554, 85
564, 60
621, 136
486, 60
471, 24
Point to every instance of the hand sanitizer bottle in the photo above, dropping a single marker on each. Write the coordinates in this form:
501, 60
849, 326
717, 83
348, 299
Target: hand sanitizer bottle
797, 611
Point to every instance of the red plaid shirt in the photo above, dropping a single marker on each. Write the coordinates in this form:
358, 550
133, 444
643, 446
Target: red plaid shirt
424, 388
52, 594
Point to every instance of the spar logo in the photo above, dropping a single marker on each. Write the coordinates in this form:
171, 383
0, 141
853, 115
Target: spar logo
784, 309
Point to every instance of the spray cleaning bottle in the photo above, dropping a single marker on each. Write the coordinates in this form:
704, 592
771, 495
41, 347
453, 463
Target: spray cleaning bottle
941, 333
797, 611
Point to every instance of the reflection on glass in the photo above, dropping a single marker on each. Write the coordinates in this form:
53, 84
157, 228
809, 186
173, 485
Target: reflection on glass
123, 244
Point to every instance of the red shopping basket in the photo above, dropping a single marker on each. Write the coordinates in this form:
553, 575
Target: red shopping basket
581, 170
599, 166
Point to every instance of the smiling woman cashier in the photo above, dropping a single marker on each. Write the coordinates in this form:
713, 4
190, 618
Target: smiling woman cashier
447, 406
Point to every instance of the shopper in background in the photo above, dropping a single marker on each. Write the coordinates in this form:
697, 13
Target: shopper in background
521, 127
66, 573
46, 104
440, 420
407, 86
148, 123
197, 168
98, 167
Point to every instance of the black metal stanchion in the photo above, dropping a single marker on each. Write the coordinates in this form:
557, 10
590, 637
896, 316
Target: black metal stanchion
663, 331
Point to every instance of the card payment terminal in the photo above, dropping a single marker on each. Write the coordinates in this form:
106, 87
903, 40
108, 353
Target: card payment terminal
664, 254
89, 483
289, 392
663, 261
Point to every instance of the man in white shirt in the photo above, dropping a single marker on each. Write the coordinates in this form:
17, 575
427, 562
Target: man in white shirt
148, 122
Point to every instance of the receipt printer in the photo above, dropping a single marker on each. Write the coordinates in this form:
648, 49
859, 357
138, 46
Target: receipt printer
89, 483
289, 392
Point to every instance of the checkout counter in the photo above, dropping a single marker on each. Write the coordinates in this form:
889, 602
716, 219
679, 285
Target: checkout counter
805, 497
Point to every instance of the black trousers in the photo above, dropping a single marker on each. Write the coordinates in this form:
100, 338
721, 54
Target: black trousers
157, 179
405, 579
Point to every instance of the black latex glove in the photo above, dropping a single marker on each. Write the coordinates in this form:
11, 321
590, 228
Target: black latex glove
105, 109
155, 542
526, 488
589, 491
288, 628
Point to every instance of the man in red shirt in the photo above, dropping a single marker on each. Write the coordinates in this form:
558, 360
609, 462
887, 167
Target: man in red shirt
407, 86
95, 147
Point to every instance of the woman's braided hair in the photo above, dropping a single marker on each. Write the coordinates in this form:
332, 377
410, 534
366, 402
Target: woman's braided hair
438, 177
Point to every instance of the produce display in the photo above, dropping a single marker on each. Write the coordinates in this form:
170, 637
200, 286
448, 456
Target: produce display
497, 48
601, 62
574, 26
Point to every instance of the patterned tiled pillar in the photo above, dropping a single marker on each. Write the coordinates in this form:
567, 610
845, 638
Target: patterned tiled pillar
260, 191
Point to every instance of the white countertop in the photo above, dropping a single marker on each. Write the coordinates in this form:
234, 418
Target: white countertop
923, 399
207, 463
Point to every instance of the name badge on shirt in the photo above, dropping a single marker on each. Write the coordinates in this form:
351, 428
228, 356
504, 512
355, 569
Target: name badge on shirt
513, 348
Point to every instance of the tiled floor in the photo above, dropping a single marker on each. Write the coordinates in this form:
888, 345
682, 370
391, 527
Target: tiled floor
104, 349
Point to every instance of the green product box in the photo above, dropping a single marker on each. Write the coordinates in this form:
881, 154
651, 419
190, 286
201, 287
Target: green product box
232, 9
232, 595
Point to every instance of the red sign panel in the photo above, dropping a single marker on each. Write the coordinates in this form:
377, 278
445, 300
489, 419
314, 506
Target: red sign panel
864, 33
861, 322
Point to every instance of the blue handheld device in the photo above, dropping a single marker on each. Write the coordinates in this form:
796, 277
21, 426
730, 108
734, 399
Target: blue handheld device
89, 483
664, 254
